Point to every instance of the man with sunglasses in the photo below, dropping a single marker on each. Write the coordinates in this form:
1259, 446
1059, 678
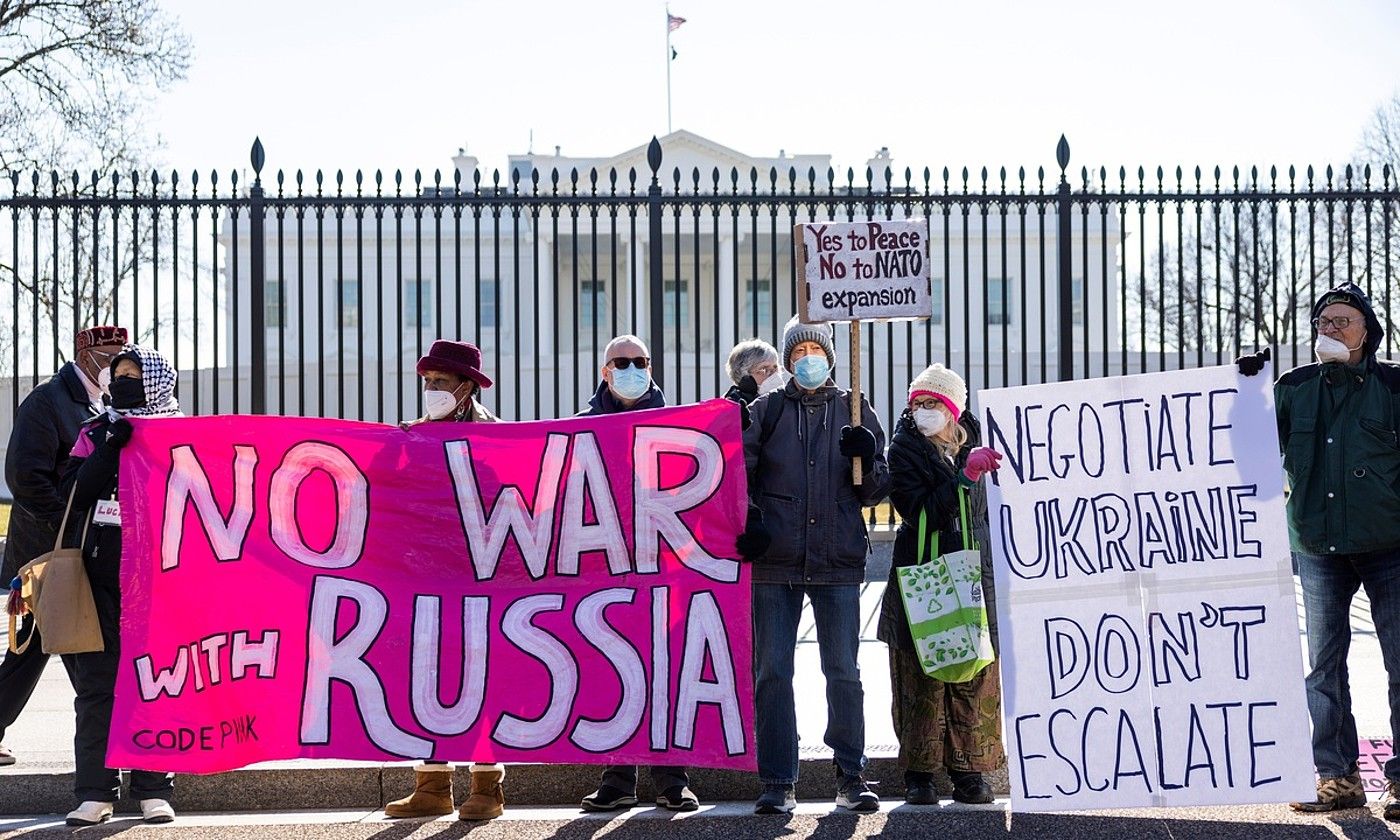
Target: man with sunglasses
627, 386
46, 426
1339, 426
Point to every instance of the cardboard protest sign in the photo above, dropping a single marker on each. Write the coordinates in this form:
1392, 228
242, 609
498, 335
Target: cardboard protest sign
1373, 753
863, 271
1149, 633
561, 591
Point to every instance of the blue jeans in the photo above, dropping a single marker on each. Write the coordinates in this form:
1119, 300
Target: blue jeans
1329, 583
777, 608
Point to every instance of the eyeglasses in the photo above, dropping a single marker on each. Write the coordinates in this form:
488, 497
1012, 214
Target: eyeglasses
926, 403
623, 363
1338, 323
765, 370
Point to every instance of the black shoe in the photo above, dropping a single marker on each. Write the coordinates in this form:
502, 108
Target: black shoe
776, 799
919, 788
609, 798
853, 794
1390, 802
971, 788
678, 798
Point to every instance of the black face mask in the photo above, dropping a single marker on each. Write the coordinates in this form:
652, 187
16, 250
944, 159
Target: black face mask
127, 393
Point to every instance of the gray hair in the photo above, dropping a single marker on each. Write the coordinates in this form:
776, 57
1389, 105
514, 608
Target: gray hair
747, 355
625, 339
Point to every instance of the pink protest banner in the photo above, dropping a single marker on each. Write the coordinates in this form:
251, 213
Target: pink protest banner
561, 591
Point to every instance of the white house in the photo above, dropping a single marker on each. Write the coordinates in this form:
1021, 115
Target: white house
541, 274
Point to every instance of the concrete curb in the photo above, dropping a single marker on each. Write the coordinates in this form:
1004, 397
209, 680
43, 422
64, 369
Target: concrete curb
297, 786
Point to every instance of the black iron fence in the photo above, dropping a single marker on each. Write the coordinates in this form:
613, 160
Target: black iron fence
311, 294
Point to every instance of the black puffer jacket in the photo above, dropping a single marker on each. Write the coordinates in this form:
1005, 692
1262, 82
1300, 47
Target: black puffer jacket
923, 480
44, 432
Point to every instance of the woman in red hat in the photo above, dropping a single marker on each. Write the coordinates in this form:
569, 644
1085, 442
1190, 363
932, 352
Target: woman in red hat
452, 379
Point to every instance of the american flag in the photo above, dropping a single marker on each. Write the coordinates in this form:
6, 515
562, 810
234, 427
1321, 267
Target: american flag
673, 23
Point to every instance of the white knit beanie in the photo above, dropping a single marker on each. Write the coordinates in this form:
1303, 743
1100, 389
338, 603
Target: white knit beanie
944, 383
795, 332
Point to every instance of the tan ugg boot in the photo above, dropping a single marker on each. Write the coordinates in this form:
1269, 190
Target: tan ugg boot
431, 797
488, 797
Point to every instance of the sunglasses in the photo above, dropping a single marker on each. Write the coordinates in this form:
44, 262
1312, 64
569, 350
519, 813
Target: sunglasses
623, 363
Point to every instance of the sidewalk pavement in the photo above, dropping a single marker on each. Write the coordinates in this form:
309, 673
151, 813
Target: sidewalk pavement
43, 740
730, 820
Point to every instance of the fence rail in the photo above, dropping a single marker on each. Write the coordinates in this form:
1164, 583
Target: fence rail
315, 294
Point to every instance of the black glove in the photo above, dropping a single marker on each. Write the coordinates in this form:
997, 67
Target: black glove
857, 442
1251, 363
749, 388
119, 433
754, 542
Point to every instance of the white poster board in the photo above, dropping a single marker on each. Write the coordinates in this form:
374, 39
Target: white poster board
1149, 632
876, 269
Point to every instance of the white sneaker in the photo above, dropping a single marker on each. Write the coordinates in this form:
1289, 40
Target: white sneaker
90, 813
6, 757
156, 811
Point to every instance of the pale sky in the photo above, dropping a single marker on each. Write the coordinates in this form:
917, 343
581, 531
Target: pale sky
352, 83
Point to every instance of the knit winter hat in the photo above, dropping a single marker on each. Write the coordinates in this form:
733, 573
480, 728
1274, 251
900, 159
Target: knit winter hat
795, 332
947, 386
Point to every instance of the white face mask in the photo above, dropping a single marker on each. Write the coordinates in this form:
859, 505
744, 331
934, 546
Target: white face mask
439, 404
930, 421
1329, 349
772, 383
104, 379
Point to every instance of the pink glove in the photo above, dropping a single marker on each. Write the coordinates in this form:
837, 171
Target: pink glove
981, 461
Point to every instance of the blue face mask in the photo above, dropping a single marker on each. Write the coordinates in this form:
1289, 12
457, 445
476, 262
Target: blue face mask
631, 383
811, 371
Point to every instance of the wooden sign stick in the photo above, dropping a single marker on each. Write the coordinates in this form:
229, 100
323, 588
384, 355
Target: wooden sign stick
855, 395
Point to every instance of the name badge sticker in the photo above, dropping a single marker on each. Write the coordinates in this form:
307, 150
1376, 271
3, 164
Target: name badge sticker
107, 512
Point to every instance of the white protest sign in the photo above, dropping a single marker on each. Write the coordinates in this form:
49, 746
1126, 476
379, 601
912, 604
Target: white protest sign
863, 271
1149, 632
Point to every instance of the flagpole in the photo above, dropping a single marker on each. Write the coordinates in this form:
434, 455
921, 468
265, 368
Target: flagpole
668, 69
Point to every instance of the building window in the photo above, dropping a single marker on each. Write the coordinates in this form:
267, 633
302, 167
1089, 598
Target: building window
350, 303
758, 303
935, 285
593, 307
486, 301
1076, 296
676, 294
273, 305
999, 301
418, 303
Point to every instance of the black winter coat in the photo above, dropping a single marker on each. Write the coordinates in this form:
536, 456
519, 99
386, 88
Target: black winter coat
91, 475
802, 483
45, 429
603, 401
923, 480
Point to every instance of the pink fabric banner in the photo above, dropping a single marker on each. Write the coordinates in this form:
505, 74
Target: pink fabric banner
561, 591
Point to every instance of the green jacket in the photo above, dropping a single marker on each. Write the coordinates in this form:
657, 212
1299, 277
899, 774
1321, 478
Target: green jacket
1337, 425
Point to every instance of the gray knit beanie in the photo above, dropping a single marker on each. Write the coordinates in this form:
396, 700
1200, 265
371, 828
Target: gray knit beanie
795, 332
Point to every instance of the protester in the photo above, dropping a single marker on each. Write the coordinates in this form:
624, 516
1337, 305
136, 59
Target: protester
627, 386
46, 427
810, 540
935, 472
1339, 427
452, 381
754, 369
142, 385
